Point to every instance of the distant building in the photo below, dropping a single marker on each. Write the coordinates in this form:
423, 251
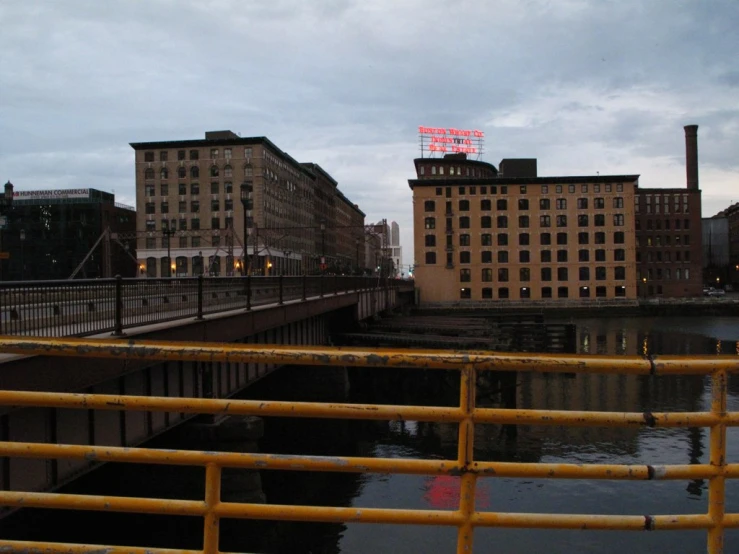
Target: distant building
396, 251
480, 236
731, 275
292, 218
48, 234
717, 270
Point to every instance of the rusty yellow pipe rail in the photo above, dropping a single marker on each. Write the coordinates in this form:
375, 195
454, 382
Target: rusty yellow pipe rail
466, 518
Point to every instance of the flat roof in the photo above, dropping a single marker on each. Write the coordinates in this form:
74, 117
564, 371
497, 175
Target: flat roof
466, 181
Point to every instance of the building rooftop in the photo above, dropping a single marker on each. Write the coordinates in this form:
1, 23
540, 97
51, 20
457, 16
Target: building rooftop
466, 181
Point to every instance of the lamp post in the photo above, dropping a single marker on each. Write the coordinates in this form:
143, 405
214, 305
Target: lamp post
644, 281
247, 190
169, 232
23, 262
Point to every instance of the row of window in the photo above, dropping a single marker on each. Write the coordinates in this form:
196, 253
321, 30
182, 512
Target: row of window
524, 274
546, 292
523, 204
215, 223
524, 256
665, 257
195, 154
215, 171
544, 189
524, 239
657, 224
501, 221
470, 172
215, 206
658, 274
658, 240
150, 190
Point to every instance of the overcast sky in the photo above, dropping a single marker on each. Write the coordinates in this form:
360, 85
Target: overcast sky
585, 86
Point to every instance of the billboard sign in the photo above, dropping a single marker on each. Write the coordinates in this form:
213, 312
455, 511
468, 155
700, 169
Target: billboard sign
450, 140
50, 194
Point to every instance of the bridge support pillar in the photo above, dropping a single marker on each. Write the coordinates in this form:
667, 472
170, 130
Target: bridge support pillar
232, 434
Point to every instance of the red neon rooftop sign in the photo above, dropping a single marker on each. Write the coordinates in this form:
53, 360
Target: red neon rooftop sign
450, 139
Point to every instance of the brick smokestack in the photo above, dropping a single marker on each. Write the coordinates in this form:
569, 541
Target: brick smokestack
691, 156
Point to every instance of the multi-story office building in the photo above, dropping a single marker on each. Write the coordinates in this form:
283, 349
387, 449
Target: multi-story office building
49, 233
480, 236
228, 204
396, 251
349, 235
669, 235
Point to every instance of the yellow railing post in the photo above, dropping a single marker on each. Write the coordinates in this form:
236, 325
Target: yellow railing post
465, 456
717, 486
212, 500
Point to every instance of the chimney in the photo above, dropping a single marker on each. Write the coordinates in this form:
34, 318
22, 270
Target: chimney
691, 156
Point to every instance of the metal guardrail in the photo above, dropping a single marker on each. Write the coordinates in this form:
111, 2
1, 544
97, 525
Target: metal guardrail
466, 518
87, 307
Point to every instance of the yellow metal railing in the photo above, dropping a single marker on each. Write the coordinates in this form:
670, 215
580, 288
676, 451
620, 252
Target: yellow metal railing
466, 414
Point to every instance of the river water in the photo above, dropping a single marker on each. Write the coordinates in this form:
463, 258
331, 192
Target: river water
438, 441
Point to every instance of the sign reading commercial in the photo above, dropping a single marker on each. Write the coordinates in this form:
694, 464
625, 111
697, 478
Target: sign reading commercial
450, 140
50, 194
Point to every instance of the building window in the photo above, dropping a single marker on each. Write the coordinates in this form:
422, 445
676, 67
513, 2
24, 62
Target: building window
430, 240
151, 225
524, 256
150, 208
525, 292
561, 238
618, 220
561, 255
545, 221
151, 243
195, 189
502, 274
503, 292
430, 258
546, 273
544, 204
583, 255
464, 240
618, 237
561, 221
487, 275
148, 156
194, 154
619, 273
502, 239
523, 239
502, 256
562, 292
487, 292
430, 223
619, 187
164, 173
215, 223
465, 276
546, 256
600, 273
582, 238
502, 222
182, 207
486, 222
523, 204
619, 290
150, 190
524, 274
183, 225
561, 203
584, 273
464, 257
599, 203
619, 255
486, 205
600, 238
523, 221
582, 203
464, 222
214, 188
214, 171
228, 187
618, 202
487, 257
229, 205
149, 174
546, 292
558, 189
582, 220
465, 293
562, 274
584, 292
545, 239
195, 225
600, 255
195, 206
194, 172
429, 206
464, 205
502, 204
571, 188
599, 220
486, 239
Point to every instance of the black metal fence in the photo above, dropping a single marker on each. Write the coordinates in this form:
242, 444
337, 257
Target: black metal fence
87, 307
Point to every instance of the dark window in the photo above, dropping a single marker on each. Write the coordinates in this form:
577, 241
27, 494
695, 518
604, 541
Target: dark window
619, 273
525, 292
195, 189
487, 257
584, 292
600, 292
618, 219
618, 237
181, 172
503, 292
182, 207
430, 257
502, 204
599, 220
561, 274
584, 274
561, 238
619, 255
523, 204
600, 273
545, 239
600, 238
546, 256
487, 275
524, 256
583, 238
600, 255
561, 255
486, 239
545, 221
523, 239
150, 208
486, 222
618, 202
449, 210
464, 257
561, 203
193, 154
149, 174
465, 293
148, 156
165, 207
502, 274
150, 190
195, 225
180, 155
464, 240
461, 190
502, 239
215, 223
430, 240
502, 222
429, 206
546, 273
430, 223
195, 206
438, 191
544, 204
214, 171
214, 188
619, 291
151, 225
448, 192
464, 222
486, 205
583, 255
546, 292
582, 220
487, 293
562, 292
523, 221
215, 205
502, 256
686, 224
582, 203
464, 205
561, 221
164, 173
599, 203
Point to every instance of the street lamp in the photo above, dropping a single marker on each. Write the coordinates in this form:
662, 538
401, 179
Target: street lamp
644, 280
23, 263
247, 190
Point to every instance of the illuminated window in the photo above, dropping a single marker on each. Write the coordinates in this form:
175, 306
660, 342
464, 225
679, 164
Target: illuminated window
430, 223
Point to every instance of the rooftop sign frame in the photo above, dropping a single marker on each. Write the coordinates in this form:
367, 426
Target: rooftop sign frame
450, 140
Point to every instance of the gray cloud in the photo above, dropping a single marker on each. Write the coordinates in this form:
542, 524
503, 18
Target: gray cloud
584, 85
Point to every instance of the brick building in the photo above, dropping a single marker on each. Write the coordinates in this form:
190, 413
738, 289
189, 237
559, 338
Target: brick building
189, 207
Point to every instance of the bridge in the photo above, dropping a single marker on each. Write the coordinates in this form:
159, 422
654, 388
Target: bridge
296, 311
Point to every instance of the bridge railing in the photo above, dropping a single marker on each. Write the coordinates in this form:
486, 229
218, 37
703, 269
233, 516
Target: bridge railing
466, 518
91, 306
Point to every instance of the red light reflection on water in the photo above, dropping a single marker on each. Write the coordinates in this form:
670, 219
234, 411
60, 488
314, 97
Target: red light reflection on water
443, 493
